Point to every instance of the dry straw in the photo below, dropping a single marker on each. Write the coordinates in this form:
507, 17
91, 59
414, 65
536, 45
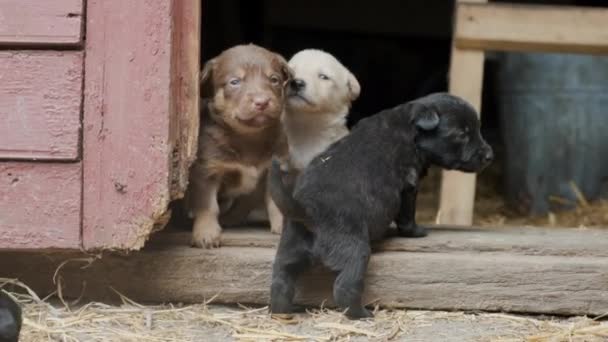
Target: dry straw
54, 319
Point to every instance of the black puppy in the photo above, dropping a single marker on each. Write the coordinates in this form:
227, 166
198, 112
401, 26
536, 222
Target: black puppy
348, 196
10, 319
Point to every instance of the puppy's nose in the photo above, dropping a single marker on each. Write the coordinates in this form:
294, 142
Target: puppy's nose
488, 156
261, 102
298, 84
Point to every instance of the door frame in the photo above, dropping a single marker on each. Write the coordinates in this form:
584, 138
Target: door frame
140, 117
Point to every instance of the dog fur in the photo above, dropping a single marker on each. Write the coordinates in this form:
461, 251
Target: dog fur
10, 319
348, 195
240, 132
319, 99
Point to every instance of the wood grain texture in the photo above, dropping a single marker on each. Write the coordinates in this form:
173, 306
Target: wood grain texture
41, 23
532, 28
40, 205
546, 281
185, 85
441, 239
40, 103
457, 193
127, 160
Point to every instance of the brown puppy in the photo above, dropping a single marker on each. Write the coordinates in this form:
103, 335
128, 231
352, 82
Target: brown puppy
240, 131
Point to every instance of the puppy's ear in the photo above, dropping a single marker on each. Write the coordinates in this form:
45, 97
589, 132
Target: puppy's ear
425, 119
286, 71
206, 76
354, 89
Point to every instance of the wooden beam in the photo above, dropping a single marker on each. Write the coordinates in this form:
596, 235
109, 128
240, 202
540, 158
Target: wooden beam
531, 28
442, 239
545, 277
185, 68
457, 194
127, 119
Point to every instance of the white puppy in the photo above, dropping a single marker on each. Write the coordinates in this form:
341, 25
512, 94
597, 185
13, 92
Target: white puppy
318, 102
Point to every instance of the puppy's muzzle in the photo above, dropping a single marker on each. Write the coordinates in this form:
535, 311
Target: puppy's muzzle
488, 155
485, 155
297, 84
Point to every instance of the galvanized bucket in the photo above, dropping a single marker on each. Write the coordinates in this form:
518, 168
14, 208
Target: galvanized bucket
554, 120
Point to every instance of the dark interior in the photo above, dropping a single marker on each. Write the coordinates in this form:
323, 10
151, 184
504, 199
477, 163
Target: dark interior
398, 50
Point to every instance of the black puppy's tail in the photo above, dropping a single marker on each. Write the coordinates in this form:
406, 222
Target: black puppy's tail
282, 196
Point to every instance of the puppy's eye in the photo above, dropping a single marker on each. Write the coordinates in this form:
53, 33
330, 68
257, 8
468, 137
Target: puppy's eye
274, 79
234, 81
323, 77
463, 136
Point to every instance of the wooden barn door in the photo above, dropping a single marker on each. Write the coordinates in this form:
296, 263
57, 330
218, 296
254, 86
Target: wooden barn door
96, 133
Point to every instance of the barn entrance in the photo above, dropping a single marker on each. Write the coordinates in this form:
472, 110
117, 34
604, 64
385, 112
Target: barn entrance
400, 51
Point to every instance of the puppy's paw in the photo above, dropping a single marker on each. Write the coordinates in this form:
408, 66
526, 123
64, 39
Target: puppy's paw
358, 313
275, 217
206, 234
276, 228
412, 231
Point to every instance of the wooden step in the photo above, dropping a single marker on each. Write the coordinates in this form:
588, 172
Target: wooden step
531, 270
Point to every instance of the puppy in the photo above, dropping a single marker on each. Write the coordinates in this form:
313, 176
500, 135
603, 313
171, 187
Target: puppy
240, 131
10, 319
319, 99
348, 195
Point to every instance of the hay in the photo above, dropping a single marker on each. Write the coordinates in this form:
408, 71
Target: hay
491, 208
53, 319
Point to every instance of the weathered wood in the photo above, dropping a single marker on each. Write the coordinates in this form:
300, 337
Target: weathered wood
40, 23
185, 84
40, 205
550, 281
482, 27
531, 28
127, 164
457, 194
40, 103
441, 239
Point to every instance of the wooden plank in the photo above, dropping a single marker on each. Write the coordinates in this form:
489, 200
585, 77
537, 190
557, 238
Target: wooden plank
40, 205
186, 94
40, 103
441, 239
127, 160
532, 28
40, 23
466, 280
457, 194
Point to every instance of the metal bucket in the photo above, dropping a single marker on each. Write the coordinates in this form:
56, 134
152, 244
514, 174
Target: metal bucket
554, 119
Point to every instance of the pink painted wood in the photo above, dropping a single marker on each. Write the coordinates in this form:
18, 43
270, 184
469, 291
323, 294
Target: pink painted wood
40, 102
40, 205
40, 22
127, 114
